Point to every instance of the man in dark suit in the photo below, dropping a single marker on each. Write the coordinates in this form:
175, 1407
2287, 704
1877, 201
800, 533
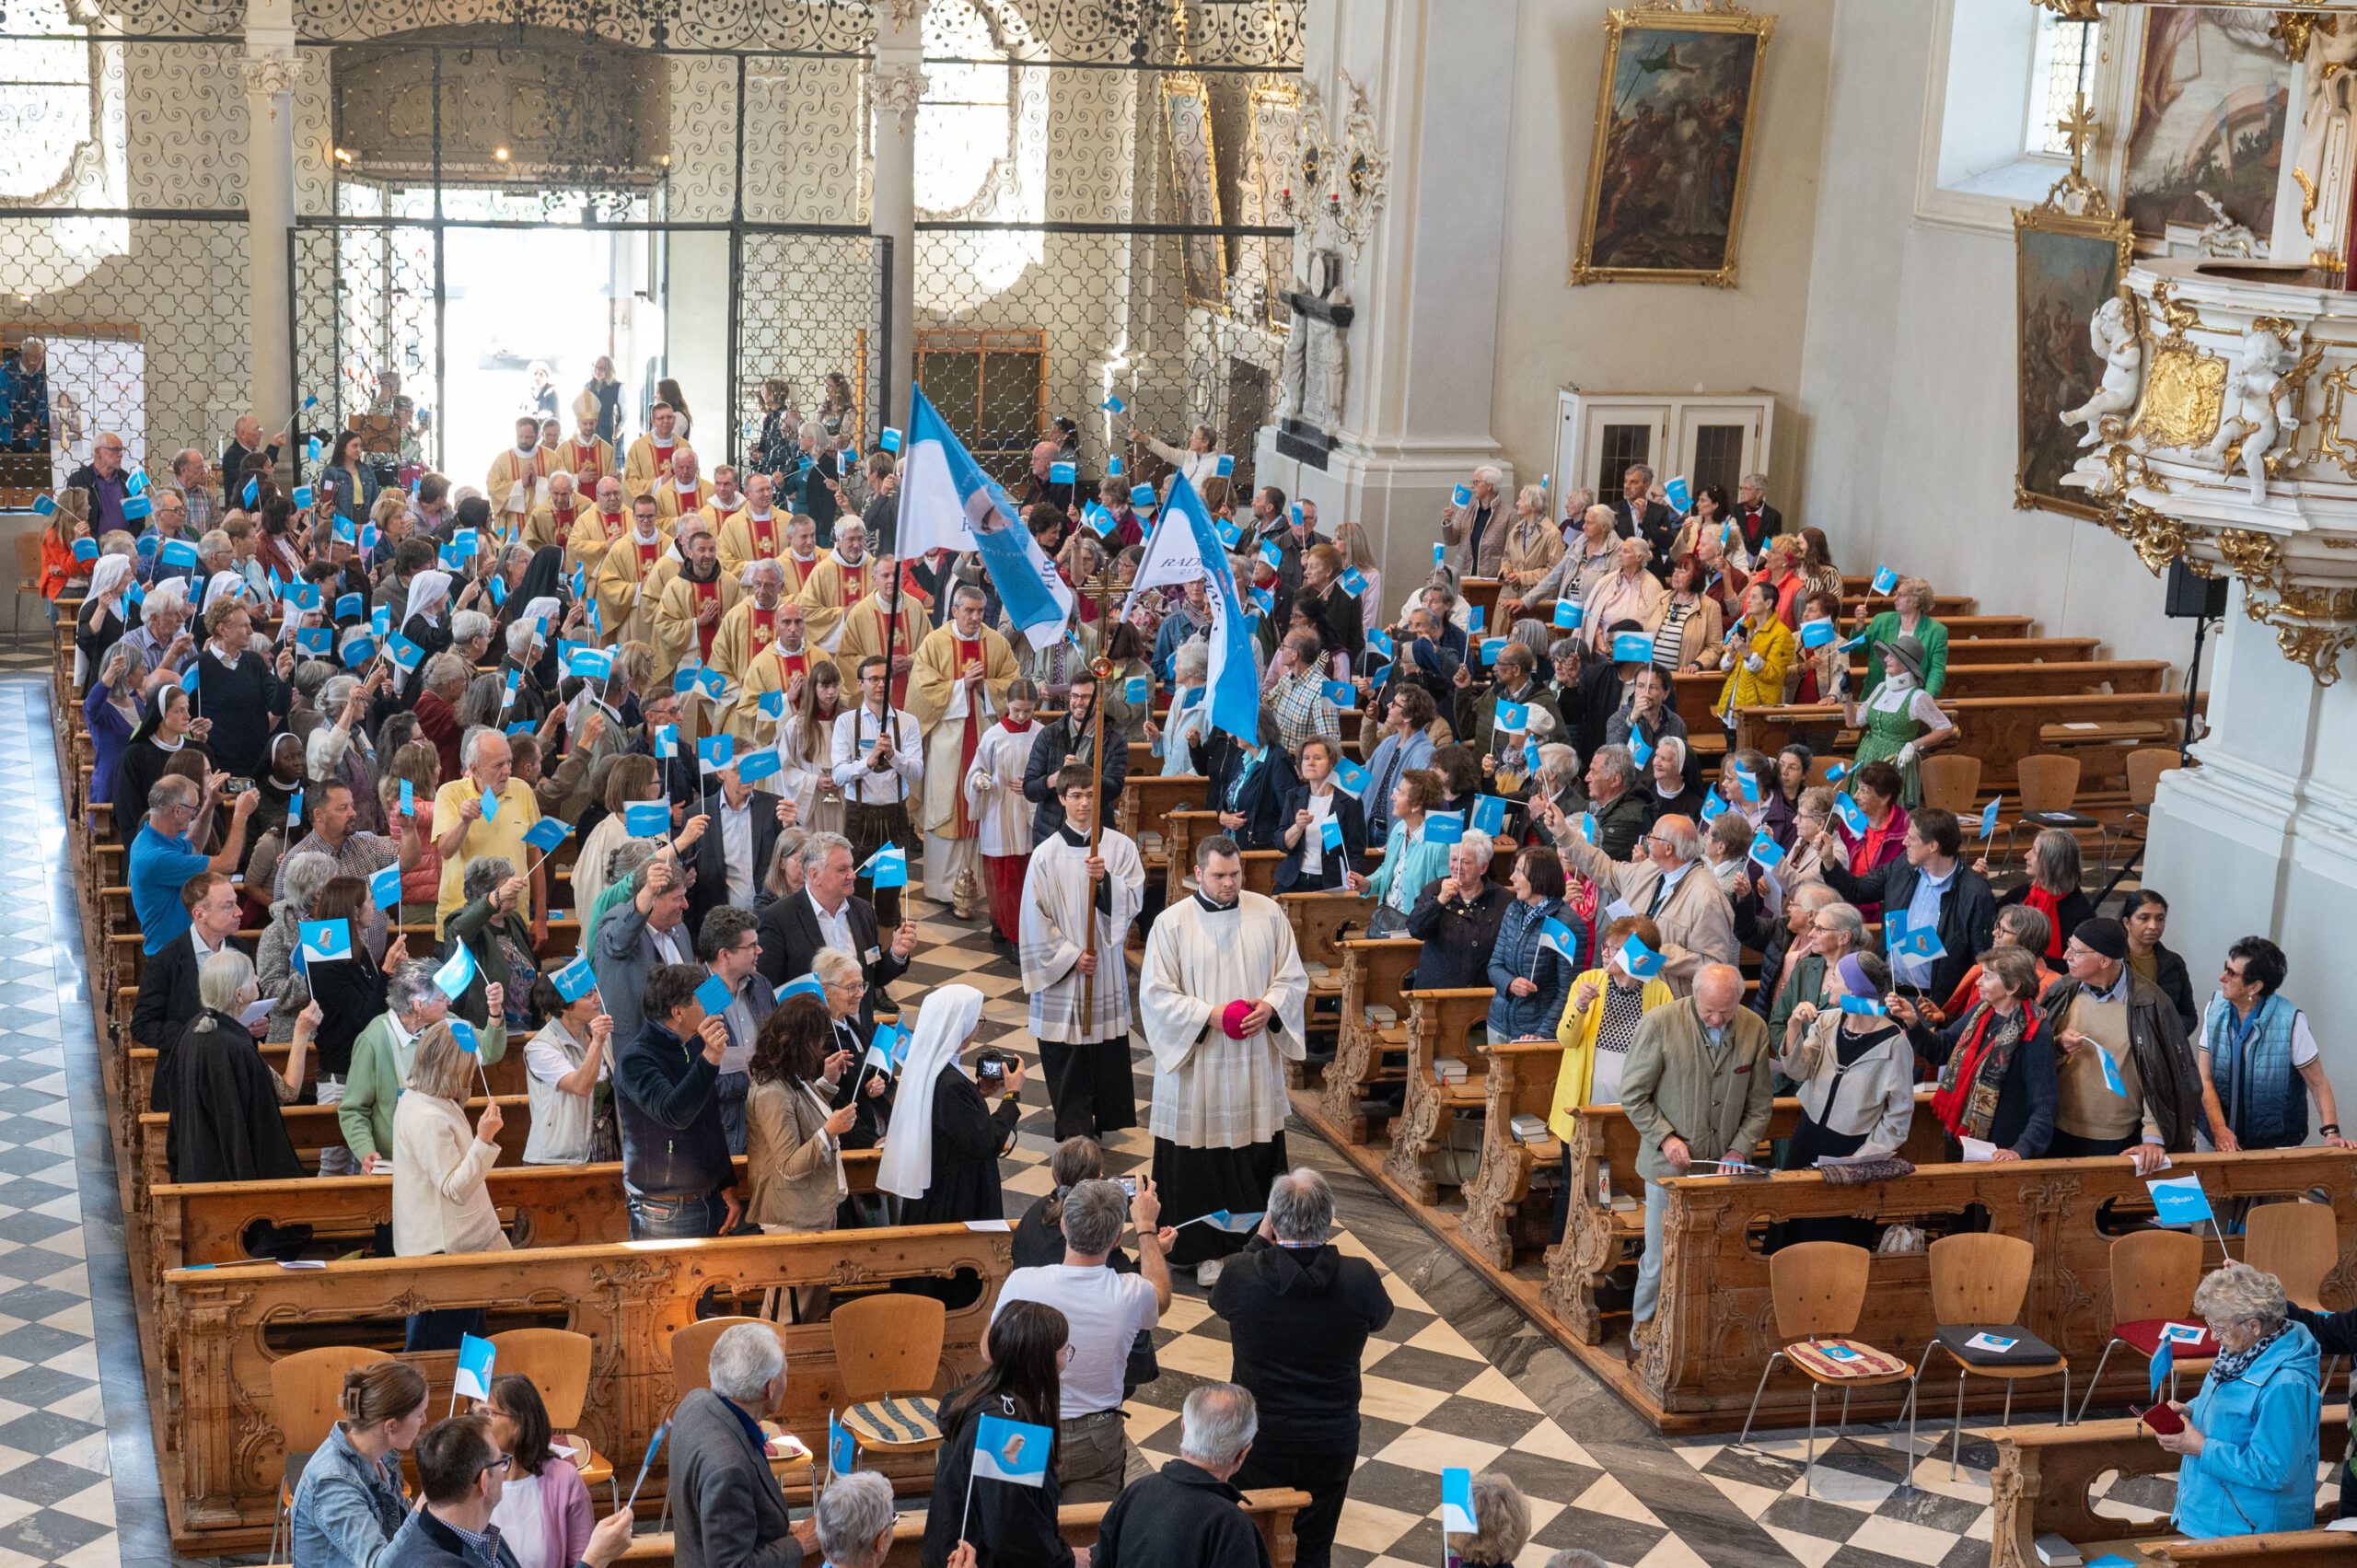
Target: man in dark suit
725, 1500
167, 995
1634, 516
243, 445
734, 853
1759, 521
1068, 737
827, 913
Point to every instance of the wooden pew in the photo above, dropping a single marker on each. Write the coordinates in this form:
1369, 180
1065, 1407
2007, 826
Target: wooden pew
1519, 1081
311, 1128
1442, 1026
508, 1075
2041, 1483
2013, 650
2098, 728
1696, 692
2318, 1548
1320, 922
1945, 607
222, 1452
203, 1222
1181, 831
1374, 971
1146, 804
1700, 1361
1271, 1512
1599, 1234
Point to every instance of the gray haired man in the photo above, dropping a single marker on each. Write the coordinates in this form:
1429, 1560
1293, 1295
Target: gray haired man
1187, 1513
1107, 1311
724, 1499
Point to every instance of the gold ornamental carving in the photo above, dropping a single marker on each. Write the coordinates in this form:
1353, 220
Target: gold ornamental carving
2157, 537
2185, 395
2307, 201
2252, 554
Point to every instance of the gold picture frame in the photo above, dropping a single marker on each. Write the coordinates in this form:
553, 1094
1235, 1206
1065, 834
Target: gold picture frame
1276, 121
1680, 84
2069, 253
1194, 187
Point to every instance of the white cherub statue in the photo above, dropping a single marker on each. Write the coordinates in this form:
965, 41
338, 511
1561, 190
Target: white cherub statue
2261, 394
2113, 332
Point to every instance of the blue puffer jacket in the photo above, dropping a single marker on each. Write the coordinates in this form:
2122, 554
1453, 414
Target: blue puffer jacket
2257, 1471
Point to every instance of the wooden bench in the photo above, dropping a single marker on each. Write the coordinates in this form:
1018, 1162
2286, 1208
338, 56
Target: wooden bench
204, 1222
1601, 1236
1146, 807
1518, 1080
1320, 922
222, 1455
1697, 692
1443, 1025
508, 1075
312, 1127
1271, 1512
2044, 1475
2100, 729
1715, 1327
1374, 970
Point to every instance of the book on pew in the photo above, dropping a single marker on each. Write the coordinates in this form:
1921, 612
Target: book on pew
2056, 1552
1448, 1070
1528, 1128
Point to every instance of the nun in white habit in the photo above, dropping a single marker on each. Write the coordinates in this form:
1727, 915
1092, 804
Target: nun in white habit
941, 1156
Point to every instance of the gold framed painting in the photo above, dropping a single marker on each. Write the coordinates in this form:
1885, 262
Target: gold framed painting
1276, 142
2065, 265
1195, 184
2213, 90
1673, 145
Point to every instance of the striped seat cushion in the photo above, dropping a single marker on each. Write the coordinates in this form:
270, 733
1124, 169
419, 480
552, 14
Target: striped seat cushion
896, 1419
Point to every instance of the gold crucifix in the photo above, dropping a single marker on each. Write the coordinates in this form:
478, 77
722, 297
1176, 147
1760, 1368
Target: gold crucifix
2078, 128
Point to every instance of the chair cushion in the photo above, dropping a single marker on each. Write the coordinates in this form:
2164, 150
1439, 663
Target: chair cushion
896, 1419
2028, 1349
1839, 1358
2145, 1335
2059, 818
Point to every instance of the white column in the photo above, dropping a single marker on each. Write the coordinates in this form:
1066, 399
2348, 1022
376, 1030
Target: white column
896, 85
1426, 282
2260, 839
271, 69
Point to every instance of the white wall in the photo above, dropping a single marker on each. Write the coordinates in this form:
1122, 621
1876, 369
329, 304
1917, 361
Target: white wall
1906, 383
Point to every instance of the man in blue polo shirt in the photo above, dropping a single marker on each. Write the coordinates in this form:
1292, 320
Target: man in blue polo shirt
162, 859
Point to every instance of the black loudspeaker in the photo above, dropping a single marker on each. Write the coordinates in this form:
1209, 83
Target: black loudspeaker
2193, 596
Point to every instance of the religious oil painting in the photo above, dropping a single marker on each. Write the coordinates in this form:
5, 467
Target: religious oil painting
2212, 93
2065, 267
1267, 197
1194, 184
1673, 132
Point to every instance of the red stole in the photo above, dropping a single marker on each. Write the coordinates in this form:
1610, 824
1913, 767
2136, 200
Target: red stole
800, 568
790, 665
963, 826
706, 593
649, 551
764, 535
721, 513
663, 450
763, 624
688, 499
580, 459
564, 516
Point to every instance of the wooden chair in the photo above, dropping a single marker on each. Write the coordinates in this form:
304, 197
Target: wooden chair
1979, 1281
2153, 1273
888, 1354
691, 1351
1818, 1288
1951, 782
2047, 783
557, 1361
306, 1401
2297, 1244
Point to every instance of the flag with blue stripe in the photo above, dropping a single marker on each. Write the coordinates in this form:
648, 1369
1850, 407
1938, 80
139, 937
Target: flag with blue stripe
948, 502
1183, 548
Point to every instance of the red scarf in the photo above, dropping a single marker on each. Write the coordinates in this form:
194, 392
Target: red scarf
2050, 907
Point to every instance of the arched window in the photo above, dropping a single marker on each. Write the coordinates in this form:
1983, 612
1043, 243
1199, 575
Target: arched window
54, 117
2062, 66
982, 144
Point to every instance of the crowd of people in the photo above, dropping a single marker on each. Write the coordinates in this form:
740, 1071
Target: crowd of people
339, 715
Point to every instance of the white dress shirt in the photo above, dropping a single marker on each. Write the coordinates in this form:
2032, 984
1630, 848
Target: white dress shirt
736, 850
855, 734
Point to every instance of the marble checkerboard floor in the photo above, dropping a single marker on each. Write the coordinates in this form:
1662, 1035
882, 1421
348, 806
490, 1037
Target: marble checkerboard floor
1458, 1377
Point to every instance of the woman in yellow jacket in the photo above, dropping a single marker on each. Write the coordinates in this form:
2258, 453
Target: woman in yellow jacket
1760, 650
1600, 1023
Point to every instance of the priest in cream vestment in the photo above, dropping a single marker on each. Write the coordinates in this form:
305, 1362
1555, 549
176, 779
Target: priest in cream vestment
958, 686
1220, 996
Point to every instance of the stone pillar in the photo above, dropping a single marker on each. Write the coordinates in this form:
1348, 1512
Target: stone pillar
270, 68
2260, 839
1414, 84
896, 83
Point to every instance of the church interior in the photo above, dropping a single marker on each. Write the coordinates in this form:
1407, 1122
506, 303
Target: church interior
2024, 310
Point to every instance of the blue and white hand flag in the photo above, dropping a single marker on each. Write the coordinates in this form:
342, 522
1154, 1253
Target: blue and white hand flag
1815, 634
756, 765
177, 552
1587, 826
1062, 473
1352, 775
713, 995
1886, 579
1182, 549
385, 887
302, 497
2111, 1078
476, 1360
1748, 782
1457, 1503
887, 1051
1490, 815
2179, 1199
1512, 718
1225, 467
314, 642
1329, 834
1864, 1007
574, 980
1766, 852
381, 620
948, 502
1678, 495
1113, 404
1490, 648
715, 752
406, 656
1444, 828
590, 663
842, 1447
1462, 495
1837, 772
1342, 694
1632, 647
1989, 817
1354, 581
1641, 751
1142, 496
889, 865
1568, 613
1637, 961
1010, 1451
1560, 939
547, 833
667, 742
457, 973
1227, 1220
646, 819
325, 941
2164, 1364
1852, 814
890, 440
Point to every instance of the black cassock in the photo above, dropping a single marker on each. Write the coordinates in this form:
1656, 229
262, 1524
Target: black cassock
226, 1124
967, 1138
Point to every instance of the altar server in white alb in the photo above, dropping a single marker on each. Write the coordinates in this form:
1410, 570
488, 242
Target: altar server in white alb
1002, 817
1221, 996
1084, 1051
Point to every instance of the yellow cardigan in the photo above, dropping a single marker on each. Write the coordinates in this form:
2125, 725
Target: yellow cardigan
1772, 641
1576, 1034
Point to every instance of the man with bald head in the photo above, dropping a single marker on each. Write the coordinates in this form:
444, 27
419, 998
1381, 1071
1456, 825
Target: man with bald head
1660, 880
1697, 1086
